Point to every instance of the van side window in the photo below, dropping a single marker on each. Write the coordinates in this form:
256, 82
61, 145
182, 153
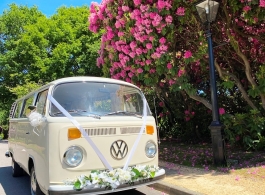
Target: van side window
12, 110
41, 102
18, 109
27, 103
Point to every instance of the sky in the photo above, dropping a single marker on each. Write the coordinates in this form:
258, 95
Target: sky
47, 7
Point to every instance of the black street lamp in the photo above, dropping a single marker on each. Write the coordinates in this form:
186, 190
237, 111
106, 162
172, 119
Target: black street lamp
207, 11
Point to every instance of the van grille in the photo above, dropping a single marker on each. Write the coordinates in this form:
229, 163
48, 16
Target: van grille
127, 130
100, 131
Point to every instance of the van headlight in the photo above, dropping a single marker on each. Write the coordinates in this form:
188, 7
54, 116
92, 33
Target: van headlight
73, 156
150, 149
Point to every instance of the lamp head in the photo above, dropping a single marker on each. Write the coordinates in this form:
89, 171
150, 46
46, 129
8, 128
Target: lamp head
207, 10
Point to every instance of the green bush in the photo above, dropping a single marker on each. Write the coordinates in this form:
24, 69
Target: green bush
245, 129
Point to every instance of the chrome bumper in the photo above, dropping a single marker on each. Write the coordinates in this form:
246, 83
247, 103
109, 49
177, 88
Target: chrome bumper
64, 189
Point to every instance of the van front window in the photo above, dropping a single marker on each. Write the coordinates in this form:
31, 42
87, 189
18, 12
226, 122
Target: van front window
102, 99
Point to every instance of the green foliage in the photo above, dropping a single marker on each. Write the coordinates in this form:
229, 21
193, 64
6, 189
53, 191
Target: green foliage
28, 87
245, 129
35, 50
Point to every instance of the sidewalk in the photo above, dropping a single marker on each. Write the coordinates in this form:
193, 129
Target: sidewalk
167, 185
182, 180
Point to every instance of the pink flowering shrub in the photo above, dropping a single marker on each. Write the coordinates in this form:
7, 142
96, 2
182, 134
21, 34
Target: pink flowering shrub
162, 44
135, 44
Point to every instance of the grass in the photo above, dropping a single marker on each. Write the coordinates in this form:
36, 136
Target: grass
240, 162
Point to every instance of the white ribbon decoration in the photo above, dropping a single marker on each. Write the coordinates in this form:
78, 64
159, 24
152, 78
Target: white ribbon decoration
138, 137
84, 134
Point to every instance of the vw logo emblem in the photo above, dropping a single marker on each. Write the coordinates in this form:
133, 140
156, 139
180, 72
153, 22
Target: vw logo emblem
118, 149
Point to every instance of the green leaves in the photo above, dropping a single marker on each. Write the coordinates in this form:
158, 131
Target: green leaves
77, 185
35, 49
228, 84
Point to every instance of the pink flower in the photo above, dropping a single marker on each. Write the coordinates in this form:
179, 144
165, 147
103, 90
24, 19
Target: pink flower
117, 24
162, 40
139, 70
237, 178
160, 4
171, 82
262, 3
128, 80
125, 8
221, 111
169, 66
180, 11
120, 34
169, 19
151, 38
161, 104
246, 8
93, 7
187, 118
133, 45
132, 54
148, 62
137, 2
181, 72
187, 54
138, 51
187, 112
110, 35
149, 45
157, 20
130, 74
152, 70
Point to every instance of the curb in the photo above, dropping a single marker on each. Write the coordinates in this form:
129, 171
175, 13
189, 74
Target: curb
171, 189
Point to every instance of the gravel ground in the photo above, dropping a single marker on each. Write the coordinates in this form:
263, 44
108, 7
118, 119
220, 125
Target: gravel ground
212, 182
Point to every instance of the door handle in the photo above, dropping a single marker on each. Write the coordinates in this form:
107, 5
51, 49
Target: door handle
27, 133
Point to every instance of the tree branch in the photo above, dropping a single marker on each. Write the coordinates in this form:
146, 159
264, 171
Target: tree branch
237, 82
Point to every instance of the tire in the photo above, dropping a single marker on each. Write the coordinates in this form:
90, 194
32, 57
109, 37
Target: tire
17, 171
34, 186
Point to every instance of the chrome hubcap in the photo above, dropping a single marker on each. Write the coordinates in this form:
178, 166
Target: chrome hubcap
33, 182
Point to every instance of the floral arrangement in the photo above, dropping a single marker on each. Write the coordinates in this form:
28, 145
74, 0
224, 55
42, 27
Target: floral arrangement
36, 119
112, 179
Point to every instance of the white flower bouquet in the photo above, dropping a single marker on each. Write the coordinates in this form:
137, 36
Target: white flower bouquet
112, 179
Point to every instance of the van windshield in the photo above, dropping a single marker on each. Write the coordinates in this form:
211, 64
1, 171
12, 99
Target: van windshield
98, 99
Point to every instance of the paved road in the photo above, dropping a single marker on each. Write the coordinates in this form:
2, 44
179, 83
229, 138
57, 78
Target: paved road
20, 185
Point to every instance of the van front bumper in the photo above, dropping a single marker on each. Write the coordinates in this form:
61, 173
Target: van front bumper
67, 189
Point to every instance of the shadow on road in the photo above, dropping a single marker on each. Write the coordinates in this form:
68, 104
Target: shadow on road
21, 185
13, 185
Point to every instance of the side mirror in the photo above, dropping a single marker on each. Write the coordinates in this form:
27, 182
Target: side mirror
32, 107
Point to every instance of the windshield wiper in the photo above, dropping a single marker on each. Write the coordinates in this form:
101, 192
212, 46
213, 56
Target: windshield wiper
79, 112
125, 113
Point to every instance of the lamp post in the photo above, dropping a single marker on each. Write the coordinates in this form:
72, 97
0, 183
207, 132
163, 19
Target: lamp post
207, 11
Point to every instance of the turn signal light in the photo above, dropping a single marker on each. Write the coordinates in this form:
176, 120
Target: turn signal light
73, 133
149, 129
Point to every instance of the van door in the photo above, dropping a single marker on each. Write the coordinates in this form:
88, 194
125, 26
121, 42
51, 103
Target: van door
24, 132
13, 126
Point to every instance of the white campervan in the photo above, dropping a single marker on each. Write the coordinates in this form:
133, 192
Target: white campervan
84, 135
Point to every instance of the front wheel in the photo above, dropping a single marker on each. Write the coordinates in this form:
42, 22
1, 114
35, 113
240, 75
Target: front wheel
34, 186
16, 169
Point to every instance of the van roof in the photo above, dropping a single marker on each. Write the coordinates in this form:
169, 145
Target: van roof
88, 78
